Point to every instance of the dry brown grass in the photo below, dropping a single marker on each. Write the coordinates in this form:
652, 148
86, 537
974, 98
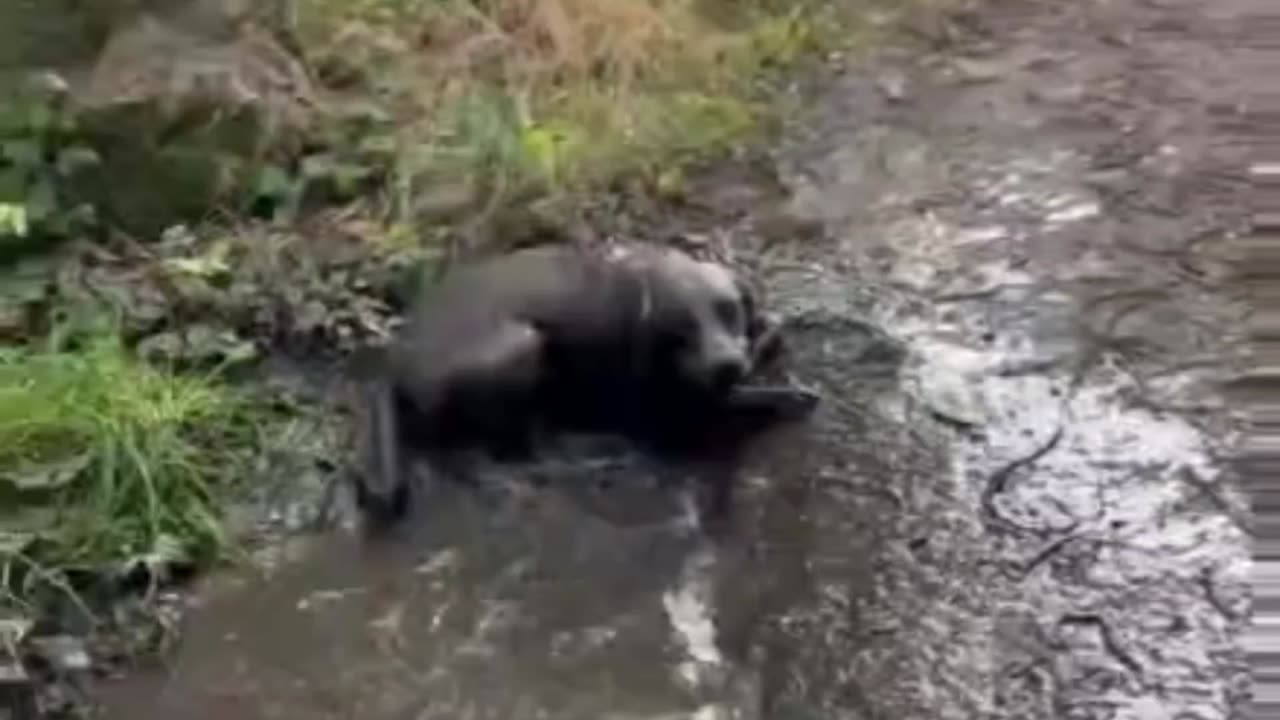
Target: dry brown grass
555, 93
530, 41
489, 99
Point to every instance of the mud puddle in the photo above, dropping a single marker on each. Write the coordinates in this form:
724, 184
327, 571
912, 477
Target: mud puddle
592, 593
1009, 506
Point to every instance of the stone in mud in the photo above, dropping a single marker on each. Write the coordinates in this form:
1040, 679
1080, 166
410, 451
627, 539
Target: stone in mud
65, 654
893, 83
952, 396
17, 692
191, 105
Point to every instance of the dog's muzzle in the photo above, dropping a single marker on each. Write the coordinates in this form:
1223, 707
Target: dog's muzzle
723, 375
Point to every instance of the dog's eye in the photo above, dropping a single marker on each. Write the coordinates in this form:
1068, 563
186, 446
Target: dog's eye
678, 331
727, 312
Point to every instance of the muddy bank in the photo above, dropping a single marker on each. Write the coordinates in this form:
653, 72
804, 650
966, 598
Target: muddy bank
1010, 504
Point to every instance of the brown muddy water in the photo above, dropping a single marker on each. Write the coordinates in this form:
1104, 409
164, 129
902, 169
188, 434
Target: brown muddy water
1010, 504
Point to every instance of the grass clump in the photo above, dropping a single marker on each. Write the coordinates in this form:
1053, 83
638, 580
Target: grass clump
512, 97
108, 465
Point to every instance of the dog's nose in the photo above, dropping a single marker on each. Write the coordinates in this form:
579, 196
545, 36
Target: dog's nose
727, 373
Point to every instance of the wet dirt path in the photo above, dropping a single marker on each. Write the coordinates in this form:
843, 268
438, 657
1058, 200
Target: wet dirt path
1009, 507
1047, 208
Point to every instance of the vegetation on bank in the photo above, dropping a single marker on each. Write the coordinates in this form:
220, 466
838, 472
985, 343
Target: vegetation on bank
523, 96
109, 465
434, 113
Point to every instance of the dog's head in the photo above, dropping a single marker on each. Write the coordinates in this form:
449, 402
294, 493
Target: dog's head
707, 319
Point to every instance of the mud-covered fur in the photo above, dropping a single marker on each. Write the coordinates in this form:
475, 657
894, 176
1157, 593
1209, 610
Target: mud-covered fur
638, 340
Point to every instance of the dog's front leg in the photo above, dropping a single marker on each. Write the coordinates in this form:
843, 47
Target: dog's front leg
766, 342
764, 405
381, 482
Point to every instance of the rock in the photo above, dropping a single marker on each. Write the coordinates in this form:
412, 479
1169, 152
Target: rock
195, 109
1059, 94
893, 83
56, 33
17, 692
950, 388
954, 401
972, 70
65, 654
779, 225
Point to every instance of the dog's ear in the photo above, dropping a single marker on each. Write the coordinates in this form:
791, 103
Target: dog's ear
763, 332
756, 323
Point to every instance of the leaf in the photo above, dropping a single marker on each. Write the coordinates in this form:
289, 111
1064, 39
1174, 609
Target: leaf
22, 152
540, 146
13, 184
273, 182
311, 316
381, 145
671, 182
50, 475
168, 549
317, 166
13, 220
176, 237
76, 158
82, 214
27, 280
347, 177
398, 235
236, 349
161, 346
25, 523
209, 265
197, 343
166, 552
40, 117
364, 113
12, 629
42, 201
12, 121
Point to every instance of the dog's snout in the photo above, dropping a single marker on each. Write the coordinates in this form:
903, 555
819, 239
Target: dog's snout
727, 373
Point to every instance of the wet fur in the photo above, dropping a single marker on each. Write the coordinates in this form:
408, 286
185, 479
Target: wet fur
548, 339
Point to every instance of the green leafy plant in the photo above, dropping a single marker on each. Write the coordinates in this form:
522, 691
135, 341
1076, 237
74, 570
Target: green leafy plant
107, 463
40, 154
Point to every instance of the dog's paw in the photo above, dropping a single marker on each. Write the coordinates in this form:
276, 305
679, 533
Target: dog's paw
781, 402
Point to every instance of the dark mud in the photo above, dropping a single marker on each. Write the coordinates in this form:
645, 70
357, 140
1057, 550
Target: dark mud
1011, 504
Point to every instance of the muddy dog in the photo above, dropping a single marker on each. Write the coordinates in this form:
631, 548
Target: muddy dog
636, 340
